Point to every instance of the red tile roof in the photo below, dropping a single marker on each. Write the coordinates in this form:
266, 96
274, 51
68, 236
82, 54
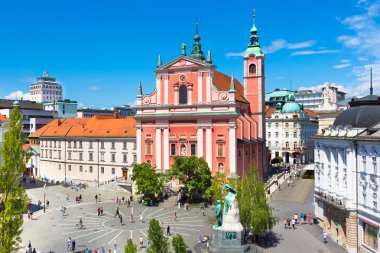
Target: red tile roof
269, 111
310, 113
97, 126
3, 118
223, 82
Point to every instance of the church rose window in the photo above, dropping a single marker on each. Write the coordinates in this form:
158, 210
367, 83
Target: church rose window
252, 68
183, 94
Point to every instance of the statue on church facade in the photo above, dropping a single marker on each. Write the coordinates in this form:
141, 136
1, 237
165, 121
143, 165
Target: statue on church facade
219, 213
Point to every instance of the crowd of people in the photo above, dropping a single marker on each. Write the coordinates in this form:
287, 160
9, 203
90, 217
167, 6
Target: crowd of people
290, 223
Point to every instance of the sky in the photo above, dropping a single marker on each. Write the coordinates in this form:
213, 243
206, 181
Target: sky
99, 50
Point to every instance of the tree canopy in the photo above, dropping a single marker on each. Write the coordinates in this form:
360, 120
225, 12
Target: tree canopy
215, 192
193, 172
178, 244
255, 212
130, 247
159, 243
13, 196
146, 179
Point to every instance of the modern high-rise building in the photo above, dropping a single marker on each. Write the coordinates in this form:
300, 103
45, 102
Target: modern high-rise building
46, 89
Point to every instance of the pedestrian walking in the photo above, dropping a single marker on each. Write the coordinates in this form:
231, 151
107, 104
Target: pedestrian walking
174, 216
117, 199
69, 244
131, 220
288, 222
67, 198
293, 223
296, 218
101, 211
73, 245
324, 237
141, 241
179, 205
168, 231
141, 218
288, 182
96, 198
310, 219
301, 217
121, 219
285, 223
117, 212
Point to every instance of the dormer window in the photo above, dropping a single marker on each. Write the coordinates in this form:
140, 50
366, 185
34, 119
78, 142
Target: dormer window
183, 94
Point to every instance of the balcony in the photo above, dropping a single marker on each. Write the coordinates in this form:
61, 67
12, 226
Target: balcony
332, 200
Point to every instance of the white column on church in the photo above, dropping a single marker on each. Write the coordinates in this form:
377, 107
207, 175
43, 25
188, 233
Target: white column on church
158, 87
138, 144
208, 88
166, 89
158, 148
200, 141
166, 148
190, 95
209, 147
232, 149
200, 88
176, 94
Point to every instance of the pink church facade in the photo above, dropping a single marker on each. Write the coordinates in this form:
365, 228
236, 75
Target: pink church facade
198, 111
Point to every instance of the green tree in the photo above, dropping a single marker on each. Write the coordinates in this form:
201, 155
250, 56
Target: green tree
178, 244
193, 172
255, 212
13, 196
146, 179
215, 192
130, 247
277, 160
159, 243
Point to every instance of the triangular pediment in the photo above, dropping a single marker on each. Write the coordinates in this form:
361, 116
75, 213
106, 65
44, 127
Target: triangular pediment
183, 62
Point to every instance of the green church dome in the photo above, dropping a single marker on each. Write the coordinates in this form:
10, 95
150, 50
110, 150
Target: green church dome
291, 106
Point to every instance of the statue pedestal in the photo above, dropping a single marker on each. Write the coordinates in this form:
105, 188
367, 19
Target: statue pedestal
228, 241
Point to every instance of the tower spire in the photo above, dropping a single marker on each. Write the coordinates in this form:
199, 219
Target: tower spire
159, 63
232, 84
184, 48
254, 45
197, 52
209, 58
371, 88
139, 90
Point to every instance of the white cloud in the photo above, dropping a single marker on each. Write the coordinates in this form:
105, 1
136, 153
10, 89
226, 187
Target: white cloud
345, 61
304, 44
341, 66
279, 44
362, 58
94, 87
312, 52
319, 87
235, 54
80, 105
18, 95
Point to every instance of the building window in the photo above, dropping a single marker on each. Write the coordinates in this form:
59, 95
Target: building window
193, 148
276, 125
286, 134
287, 144
124, 158
50, 154
286, 124
375, 205
269, 135
69, 144
269, 124
55, 144
113, 157
134, 145
252, 68
102, 144
148, 148
370, 236
183, 150
294, 124
90, 156
80, 169
90, 144
295, 134
374, 162
268, 145
220, 150
69, 167
364, 162
75, 144
124, 145
295, 144
134, 158
59, 154
80, 144
80, 156
277, 144
183, 94
113, 171
59, 144
101, 170
91, 169
102, 157
172, 149
276, 134
112, 145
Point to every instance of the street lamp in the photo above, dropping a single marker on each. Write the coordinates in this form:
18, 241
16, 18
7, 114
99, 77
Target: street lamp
44, 197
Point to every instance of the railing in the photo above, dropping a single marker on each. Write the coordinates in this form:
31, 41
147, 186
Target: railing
338, 202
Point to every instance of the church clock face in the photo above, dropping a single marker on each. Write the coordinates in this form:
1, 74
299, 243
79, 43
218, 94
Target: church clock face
182, 78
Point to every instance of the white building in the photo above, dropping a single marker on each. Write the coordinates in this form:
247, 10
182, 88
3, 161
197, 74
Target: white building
347, 178
289, 131
46, 89
62, 108
89, 149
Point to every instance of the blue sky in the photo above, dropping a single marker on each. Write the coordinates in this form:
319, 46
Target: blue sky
99, 50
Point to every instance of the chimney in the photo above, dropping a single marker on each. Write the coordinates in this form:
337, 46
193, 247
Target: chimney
116, 114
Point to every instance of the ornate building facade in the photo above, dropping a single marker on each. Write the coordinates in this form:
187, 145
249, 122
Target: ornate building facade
198, 111
346, 176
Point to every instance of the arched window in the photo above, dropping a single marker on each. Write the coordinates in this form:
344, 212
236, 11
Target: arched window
252, 68
183, 94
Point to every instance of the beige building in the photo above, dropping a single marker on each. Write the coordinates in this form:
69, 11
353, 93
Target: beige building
93, 149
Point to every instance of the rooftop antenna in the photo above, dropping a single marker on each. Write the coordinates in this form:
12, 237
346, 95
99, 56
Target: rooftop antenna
371, 88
